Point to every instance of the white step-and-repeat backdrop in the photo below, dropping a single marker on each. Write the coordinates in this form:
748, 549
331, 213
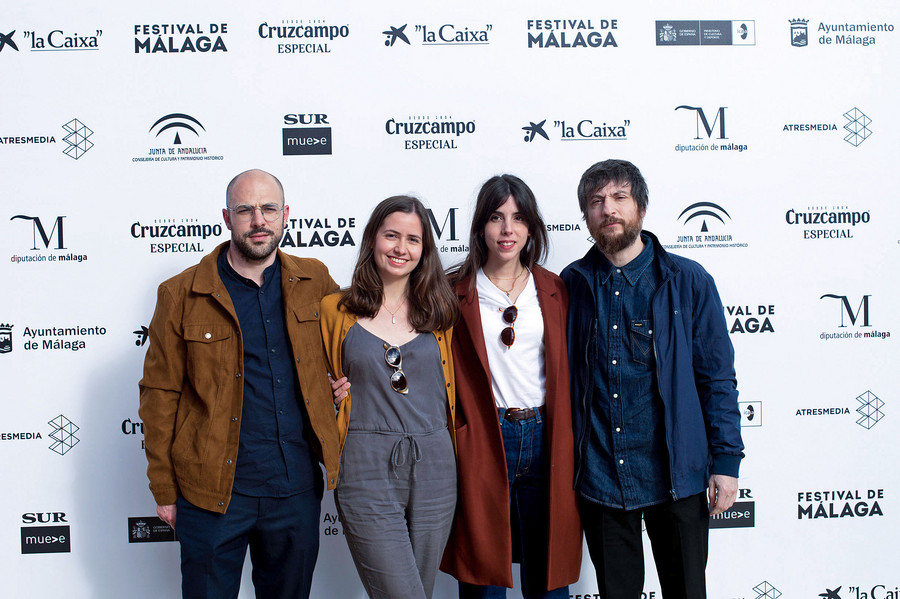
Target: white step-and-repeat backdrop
767, 133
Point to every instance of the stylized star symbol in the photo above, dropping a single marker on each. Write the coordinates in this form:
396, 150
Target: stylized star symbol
394, 34
7, 39
535, 129
143, 334
831, 594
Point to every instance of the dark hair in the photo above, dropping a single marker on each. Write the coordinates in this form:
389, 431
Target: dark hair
432, 303
252, 170
599, 176
494, 194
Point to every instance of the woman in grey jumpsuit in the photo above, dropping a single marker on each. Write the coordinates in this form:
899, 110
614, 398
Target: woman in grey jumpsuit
389, 333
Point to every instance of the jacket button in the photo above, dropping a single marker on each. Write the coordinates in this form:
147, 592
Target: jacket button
291, 279
234, 419
207, 336
316, 314
448, 385
228, 462
221, 503
237, 376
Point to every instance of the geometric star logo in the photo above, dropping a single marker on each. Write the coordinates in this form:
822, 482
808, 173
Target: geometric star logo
766, 591
857, 126
831, 593
77, 139
535, 129
7, 40
63, 434
869, 410
394, 34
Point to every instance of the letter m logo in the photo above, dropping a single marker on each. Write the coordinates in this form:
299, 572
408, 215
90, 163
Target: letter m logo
449, 220
39, 231
862, 310
704, 122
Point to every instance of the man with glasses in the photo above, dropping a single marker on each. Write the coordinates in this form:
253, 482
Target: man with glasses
654, 398
237, 406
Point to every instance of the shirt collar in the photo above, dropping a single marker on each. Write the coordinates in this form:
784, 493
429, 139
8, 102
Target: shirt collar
631, 271
229, 271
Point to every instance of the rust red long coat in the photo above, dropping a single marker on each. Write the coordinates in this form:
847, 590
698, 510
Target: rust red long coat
480, 547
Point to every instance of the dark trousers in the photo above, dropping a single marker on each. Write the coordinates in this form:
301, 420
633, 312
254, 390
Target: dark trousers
283, 536
524, 442
679, 535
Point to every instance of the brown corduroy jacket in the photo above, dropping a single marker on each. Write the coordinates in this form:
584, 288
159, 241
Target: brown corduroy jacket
191, 393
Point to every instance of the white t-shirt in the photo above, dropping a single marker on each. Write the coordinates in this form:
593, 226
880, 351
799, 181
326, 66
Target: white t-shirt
518, 377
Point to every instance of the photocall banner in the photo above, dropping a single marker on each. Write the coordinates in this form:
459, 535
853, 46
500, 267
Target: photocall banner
767, 134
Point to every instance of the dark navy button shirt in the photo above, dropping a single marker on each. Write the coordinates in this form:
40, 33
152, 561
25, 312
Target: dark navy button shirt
274, 459
626, 458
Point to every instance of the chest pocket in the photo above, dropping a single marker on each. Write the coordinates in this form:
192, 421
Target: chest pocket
307, 313
207, 348
641, 341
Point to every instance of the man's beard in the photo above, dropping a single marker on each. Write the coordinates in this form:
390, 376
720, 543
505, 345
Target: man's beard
253, 251
613, 243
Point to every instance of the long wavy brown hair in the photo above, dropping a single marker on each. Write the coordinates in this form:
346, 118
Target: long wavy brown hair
432, 303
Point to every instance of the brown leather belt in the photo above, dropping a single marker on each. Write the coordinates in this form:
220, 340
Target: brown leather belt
515, 414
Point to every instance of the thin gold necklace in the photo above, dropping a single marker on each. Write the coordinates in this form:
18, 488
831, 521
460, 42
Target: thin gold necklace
515, 280
397, 309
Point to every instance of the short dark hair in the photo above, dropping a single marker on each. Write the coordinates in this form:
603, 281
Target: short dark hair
432, 303
602, 173
492, 195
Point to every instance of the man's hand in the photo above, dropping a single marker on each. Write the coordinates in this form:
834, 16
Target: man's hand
722, 492
166, 513
340, 389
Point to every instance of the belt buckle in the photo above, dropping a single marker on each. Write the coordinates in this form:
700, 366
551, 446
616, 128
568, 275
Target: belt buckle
516, 414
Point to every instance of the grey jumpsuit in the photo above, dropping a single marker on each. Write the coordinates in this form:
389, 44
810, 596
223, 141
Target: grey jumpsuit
396, 493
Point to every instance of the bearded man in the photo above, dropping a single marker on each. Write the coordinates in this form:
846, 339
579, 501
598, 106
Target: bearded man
654, 395
237, 407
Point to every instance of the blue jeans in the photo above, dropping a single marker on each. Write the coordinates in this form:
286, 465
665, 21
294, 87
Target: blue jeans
528, 474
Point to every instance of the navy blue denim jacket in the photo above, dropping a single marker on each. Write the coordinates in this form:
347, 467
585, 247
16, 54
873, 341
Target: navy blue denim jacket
694, 363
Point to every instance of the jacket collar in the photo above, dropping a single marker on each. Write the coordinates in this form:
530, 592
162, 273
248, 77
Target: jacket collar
207, 280
586, 266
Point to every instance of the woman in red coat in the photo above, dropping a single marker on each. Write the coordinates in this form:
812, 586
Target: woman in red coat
513, 416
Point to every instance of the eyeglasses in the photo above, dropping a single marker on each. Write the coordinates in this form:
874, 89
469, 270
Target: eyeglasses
244, 213
508, 335
395, 360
